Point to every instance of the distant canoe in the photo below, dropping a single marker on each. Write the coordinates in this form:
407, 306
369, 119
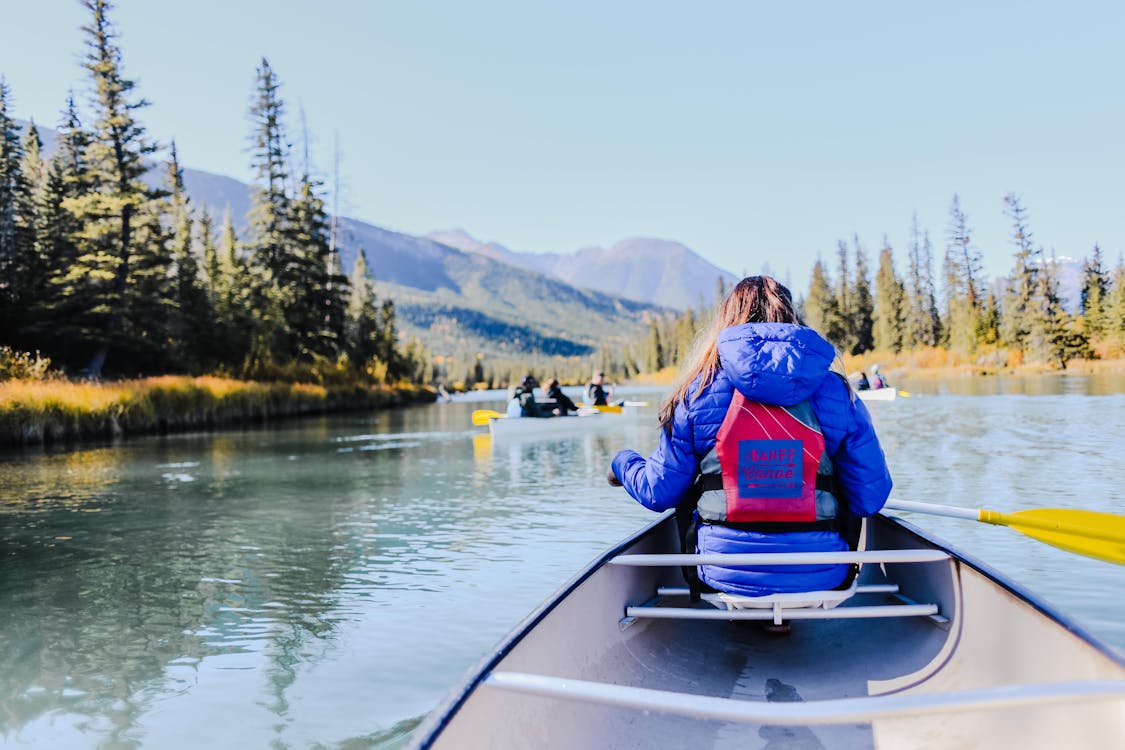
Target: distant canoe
533, 427
878, 394
948, 655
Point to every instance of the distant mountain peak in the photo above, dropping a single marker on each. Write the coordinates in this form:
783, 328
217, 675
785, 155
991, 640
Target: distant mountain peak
648, 269
458, 239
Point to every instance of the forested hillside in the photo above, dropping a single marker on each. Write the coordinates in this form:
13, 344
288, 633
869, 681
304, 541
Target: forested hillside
106, 272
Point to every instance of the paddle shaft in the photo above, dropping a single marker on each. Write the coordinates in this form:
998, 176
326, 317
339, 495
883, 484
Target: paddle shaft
932, 509
1014, 520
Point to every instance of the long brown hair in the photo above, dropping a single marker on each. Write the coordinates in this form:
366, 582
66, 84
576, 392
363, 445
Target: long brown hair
755, 299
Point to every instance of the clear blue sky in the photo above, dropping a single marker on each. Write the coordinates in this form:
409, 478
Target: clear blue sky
755, 133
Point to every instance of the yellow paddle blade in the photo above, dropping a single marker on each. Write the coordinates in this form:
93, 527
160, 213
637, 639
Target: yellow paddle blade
904, 394
482, 416
610, 409
1085, 532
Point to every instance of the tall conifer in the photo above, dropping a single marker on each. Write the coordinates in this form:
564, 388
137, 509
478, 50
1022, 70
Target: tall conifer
963, 279
13, 198
1093, 296
1023, 283
863, 304
888, 326
820, 308
110, 258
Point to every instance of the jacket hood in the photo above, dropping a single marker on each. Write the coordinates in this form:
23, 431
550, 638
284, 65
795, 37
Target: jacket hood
775, 363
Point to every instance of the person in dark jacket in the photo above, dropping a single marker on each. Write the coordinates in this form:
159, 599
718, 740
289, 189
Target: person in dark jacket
758, 348
524, 395
562, 401
596, 390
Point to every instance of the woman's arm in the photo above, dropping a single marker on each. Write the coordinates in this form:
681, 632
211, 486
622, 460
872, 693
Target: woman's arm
660, 481
859, 463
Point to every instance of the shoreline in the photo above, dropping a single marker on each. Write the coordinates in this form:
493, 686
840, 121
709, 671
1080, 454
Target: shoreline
49, 413
920, 366
1076, 367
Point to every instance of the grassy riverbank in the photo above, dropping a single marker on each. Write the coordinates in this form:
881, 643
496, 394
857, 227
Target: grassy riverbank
48, 411
941, 363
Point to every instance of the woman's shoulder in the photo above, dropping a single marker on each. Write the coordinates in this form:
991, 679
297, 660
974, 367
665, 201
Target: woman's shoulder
832, 397
715, 396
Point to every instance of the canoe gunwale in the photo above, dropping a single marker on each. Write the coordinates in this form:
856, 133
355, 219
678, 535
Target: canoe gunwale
804, 713
444, 711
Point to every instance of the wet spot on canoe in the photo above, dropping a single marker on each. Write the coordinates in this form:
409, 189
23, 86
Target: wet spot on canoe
778, 692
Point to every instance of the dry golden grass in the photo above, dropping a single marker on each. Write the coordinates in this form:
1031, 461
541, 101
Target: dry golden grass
39, 411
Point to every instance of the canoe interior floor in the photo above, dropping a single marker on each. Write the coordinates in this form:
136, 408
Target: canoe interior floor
819, 660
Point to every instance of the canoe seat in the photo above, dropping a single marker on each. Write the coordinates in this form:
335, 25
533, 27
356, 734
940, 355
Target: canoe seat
808, 605
780, 605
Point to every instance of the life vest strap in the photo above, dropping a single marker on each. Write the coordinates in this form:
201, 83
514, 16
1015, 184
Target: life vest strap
708, 482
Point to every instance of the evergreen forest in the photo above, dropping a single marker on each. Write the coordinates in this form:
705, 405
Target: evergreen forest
108, 270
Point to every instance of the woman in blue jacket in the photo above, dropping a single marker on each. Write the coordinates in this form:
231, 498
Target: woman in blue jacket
771, 448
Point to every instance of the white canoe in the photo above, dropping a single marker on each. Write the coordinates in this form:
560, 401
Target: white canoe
878, 394
532, 427
939, 652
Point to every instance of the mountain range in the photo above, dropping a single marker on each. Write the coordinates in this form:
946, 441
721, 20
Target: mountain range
662, 272
461, 295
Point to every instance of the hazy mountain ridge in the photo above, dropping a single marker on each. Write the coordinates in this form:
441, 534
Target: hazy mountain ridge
461, 301
651, 270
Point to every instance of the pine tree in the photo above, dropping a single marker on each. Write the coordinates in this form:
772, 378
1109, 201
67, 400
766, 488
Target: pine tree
14, 197
111, 258
233, 284
191, 314
889, 297
1115, 323
73, 144
270, 210
922, 321
362, 334
51, 312
416, 362
963, 279
398, 366
211, 270
844, 328
1023, 283
934, 327
988, 326
1093, 296
315, 292
683, 336
820, 305
1052, 337
30, 230
654, 352
863, 305
270, 236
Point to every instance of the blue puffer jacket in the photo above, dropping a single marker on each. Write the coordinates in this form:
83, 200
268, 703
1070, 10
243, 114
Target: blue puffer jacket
772, 363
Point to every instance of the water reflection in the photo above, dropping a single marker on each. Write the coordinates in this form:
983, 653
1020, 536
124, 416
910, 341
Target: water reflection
1045, 384
273, 587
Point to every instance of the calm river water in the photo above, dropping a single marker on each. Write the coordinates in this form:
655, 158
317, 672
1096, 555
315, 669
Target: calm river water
324, 583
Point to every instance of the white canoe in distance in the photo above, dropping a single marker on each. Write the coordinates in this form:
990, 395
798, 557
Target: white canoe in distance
585, 419
878, 394
969, 661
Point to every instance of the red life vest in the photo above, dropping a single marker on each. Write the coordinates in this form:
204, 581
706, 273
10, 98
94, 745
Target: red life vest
769, 461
